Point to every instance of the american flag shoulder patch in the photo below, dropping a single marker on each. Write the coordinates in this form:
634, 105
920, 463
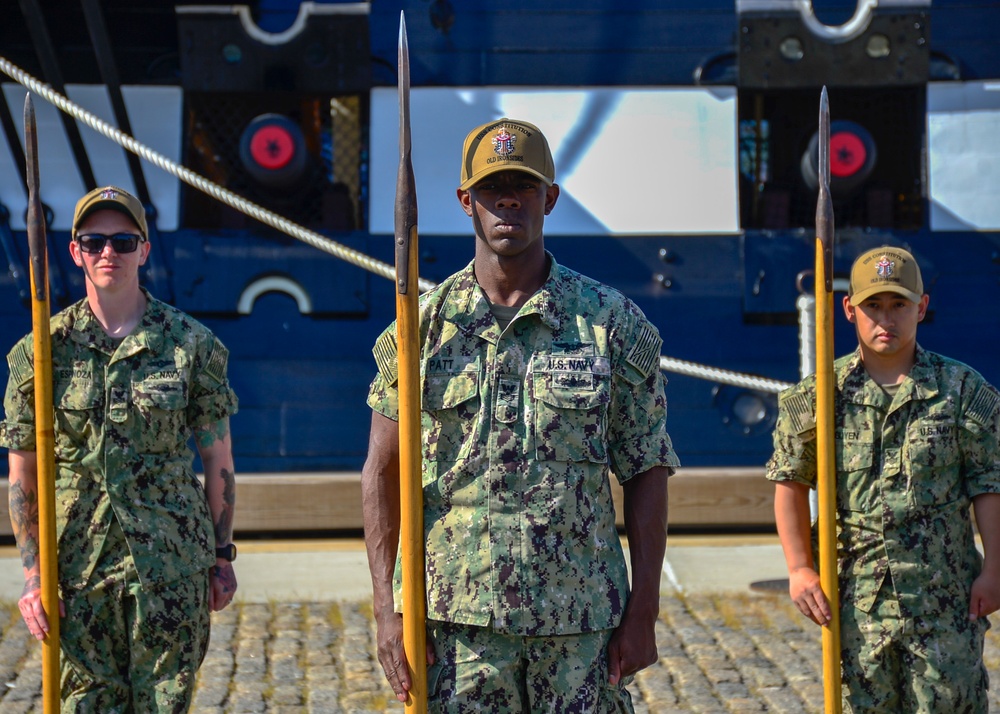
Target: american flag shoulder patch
22, 367
217, 362
800, 411
385, 352
645, 352
984, 405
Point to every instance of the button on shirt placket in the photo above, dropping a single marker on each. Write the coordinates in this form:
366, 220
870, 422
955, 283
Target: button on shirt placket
105, 364
907, 580
118, 381
892, 486
894, 483
120, 443
504, 385
98, 354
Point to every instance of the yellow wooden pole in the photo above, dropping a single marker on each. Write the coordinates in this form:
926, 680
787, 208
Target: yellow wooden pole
44, 428
826, 485
411, 531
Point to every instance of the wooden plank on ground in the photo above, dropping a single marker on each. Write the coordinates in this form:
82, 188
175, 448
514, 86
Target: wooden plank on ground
699, 498
721, 497
298, 502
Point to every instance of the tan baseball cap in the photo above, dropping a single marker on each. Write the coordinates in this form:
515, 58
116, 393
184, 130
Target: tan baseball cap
885, 270
504, 145
114, 198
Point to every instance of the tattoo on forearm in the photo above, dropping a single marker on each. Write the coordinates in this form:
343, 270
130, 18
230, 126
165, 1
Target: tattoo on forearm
224, 523
208, 435
24, 519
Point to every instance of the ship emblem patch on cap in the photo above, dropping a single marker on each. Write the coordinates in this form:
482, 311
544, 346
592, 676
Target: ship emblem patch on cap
503, 142
884, 268
109, 193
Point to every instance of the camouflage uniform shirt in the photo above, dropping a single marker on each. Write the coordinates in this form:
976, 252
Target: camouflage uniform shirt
124, 411
907, 469
520, 428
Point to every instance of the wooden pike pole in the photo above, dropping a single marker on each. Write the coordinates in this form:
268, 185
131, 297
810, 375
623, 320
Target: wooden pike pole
826, 485
44, 428
411, 532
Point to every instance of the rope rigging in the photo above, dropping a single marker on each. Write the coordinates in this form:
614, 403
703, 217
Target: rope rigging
312, 238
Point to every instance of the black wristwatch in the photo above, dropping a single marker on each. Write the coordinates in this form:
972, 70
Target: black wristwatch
226, 552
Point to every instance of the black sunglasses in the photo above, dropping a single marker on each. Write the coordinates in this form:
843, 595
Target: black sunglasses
121, 242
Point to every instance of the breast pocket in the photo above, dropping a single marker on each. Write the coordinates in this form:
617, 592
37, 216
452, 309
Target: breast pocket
857, 484
161, 405
571, 411
933, 457
450, 405
79, 416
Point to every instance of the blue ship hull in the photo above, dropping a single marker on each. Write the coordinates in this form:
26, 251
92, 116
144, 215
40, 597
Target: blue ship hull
725, 299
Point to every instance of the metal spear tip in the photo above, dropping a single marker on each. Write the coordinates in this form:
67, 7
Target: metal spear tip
824, 203
403, 54
404, 88
29, 115
404, 49
823, 169
30, 144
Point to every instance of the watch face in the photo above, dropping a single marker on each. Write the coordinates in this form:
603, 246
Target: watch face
226, 553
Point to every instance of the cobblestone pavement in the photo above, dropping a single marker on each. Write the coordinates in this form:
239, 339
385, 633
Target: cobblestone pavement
731, 653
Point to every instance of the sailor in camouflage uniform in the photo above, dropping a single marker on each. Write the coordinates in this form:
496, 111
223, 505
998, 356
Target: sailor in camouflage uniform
144, 551
916, 443
535, 382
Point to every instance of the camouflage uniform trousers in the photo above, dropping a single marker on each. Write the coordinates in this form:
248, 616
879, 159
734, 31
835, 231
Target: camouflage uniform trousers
931, 664
480, 669
130, 650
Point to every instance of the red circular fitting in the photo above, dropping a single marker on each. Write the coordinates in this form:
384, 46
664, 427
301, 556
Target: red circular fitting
847, 153
272, 147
